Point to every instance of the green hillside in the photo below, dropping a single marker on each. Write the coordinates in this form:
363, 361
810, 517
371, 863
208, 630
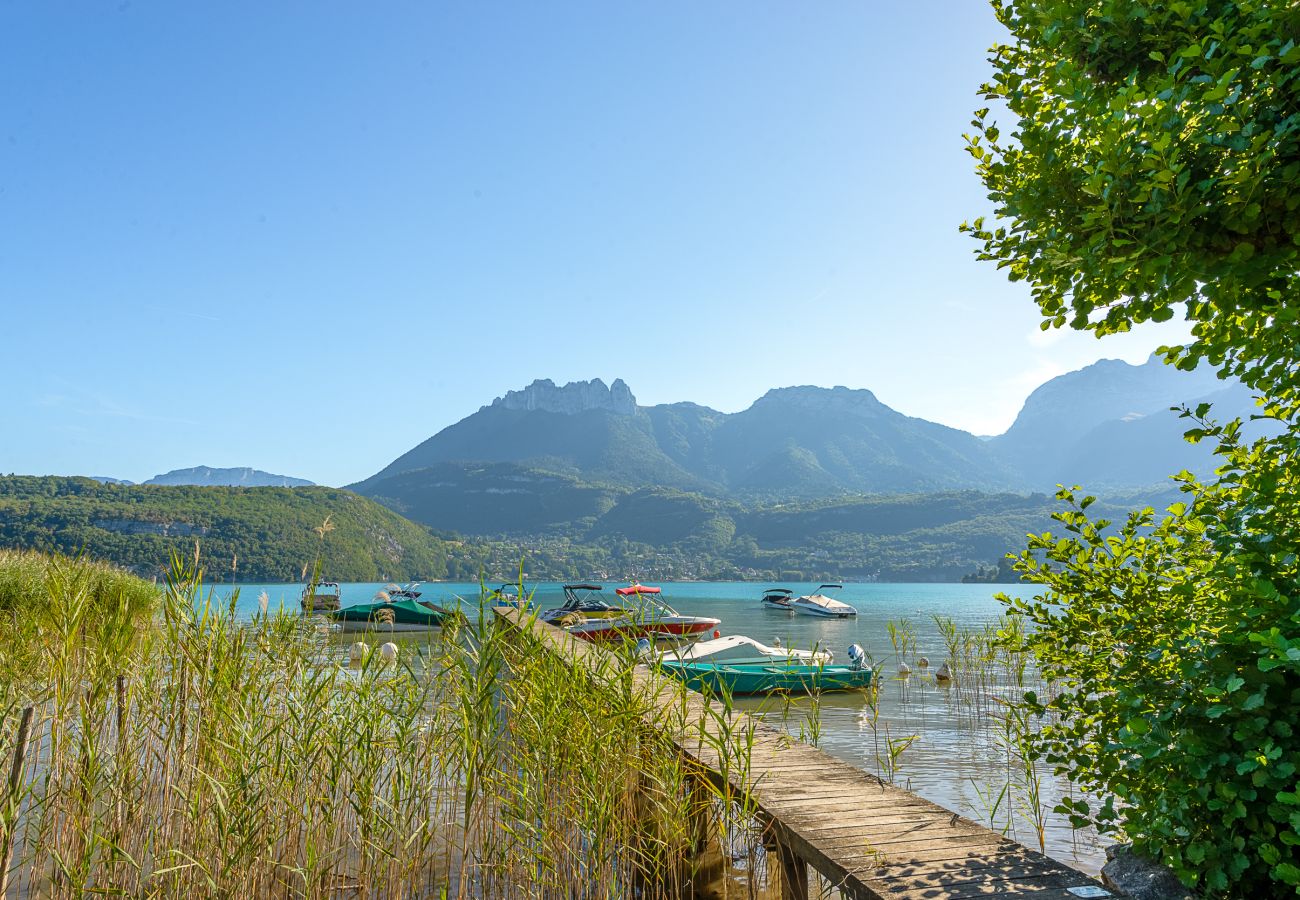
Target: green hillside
492, 498
252, 534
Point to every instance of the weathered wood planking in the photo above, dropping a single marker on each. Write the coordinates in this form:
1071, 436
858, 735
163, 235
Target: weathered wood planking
867, 838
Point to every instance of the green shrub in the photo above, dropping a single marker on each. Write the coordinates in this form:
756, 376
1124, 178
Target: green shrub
25, 581
1174, 651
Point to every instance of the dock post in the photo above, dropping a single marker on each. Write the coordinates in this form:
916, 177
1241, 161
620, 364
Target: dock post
700, 802
793, 868
794, 875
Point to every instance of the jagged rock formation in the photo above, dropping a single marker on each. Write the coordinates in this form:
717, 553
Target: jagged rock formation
575, 397
546, 452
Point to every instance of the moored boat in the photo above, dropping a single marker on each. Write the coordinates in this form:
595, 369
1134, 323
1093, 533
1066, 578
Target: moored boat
392, 614
778, 599
321, 597
748, 667
508, 596
738, 649
819, 604
638, 611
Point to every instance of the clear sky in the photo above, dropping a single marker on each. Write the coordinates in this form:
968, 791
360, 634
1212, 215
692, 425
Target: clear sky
305, 236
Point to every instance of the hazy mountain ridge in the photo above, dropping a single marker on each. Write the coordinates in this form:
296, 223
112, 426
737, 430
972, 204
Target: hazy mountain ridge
806, 483
206, 476
1064, 410
1107, 426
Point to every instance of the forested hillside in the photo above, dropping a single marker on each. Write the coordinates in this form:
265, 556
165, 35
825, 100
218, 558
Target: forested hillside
252, 534
270, 534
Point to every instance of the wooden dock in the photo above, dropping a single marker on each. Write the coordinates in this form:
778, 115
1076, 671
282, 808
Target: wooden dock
866, 838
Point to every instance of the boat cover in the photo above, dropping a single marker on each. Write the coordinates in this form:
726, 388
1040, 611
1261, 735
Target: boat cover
636, 589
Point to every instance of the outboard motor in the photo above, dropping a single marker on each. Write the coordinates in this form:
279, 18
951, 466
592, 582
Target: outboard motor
857, 656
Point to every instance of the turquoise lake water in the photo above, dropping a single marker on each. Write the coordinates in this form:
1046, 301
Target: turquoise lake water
956, 760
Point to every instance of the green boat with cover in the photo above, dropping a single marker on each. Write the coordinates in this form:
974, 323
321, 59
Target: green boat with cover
396, 611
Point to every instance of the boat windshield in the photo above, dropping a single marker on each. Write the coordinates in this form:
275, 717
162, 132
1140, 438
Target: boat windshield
583, 598
637, 599
330, 588
640, 599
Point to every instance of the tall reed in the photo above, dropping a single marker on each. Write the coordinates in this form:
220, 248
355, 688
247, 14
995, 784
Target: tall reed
197, 754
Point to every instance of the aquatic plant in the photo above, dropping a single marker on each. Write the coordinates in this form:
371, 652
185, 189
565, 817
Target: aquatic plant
205, 755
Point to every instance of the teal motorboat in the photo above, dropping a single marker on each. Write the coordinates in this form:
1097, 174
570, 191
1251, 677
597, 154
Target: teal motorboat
392, 614
793, 678
739, 665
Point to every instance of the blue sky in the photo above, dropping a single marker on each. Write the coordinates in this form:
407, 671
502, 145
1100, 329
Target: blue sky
304, 237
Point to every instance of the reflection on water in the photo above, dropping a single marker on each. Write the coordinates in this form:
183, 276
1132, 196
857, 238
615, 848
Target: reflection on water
959, 757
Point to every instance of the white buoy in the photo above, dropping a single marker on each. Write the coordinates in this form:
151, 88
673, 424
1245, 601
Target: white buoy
388, 652
922, 663
358, 652
944, 673
904, 669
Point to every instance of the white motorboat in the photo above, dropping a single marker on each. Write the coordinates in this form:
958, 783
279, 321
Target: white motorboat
737, 649
819, 604
778, 599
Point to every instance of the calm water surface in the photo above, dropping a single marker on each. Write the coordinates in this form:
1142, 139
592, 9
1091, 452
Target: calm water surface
956, 760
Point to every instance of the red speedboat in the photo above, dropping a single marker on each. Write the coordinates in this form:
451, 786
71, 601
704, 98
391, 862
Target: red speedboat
639, 611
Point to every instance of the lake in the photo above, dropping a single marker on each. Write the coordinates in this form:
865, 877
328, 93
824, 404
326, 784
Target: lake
958, 758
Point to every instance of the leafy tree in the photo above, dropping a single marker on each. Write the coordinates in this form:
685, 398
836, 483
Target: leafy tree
1155, 164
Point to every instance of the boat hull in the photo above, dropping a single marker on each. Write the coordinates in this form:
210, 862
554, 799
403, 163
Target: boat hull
613, 631
821, 612
348, 626
395, 616
742, 679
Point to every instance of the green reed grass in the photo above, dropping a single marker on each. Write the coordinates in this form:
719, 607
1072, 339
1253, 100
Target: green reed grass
987, 672
195, 754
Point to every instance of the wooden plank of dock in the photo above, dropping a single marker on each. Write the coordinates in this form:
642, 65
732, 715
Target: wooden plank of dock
867, 838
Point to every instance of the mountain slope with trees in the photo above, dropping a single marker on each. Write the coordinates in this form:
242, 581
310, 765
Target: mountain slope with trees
551, 460
248, 534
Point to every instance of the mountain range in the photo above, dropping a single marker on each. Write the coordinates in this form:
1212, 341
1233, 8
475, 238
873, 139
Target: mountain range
580, 481
541, 459
206, 476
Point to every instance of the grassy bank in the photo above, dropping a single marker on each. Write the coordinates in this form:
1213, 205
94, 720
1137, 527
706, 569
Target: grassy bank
27, 580
198, 755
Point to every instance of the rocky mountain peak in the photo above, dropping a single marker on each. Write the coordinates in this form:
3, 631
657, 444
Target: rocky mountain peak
573, 398
838, 399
